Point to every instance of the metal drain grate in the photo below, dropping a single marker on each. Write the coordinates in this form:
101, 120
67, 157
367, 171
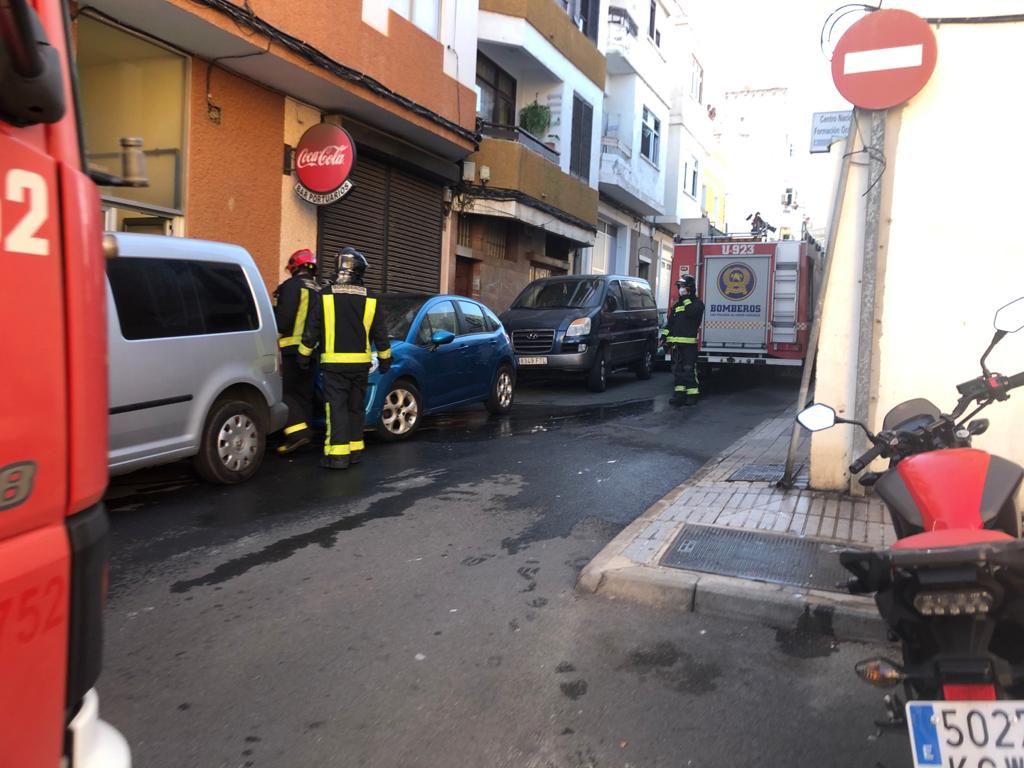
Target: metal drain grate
762, 473
807, 563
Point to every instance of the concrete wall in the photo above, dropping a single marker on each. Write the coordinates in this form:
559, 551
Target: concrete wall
298, 218
234, 168
944, 267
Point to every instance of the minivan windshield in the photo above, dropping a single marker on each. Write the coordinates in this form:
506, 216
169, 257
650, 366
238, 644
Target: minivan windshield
556, 294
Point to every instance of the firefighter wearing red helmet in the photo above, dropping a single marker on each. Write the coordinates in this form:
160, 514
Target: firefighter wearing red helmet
292, 301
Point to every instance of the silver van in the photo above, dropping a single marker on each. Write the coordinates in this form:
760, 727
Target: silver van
194, 363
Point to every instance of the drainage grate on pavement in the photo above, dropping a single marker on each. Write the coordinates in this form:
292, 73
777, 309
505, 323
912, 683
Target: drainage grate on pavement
807, 563
761, 473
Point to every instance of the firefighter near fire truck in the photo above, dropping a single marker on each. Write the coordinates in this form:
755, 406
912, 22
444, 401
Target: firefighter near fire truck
343, 324
680, 337
292, 300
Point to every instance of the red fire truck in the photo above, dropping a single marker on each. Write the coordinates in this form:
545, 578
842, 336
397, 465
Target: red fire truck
53, 408
758, 297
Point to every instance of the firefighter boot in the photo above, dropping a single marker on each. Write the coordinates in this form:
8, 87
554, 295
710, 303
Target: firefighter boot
690, 400
334, 462
294, 441
678, 399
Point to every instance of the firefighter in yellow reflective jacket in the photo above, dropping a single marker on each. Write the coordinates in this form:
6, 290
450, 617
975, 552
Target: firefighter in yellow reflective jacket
291, 308
342, 326
680, 336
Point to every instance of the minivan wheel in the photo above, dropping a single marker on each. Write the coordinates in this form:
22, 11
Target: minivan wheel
597, 379
502, 391
401, 413
645, 365
233, 441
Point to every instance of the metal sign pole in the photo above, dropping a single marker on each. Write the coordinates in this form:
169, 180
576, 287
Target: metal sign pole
812, 341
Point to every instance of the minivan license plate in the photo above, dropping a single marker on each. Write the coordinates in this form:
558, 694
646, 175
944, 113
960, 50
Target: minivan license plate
966, 734
533, 361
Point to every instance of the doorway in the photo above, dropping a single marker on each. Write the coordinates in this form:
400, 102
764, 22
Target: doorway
467, 277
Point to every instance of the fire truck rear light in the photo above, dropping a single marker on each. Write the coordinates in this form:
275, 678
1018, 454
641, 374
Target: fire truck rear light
958, 603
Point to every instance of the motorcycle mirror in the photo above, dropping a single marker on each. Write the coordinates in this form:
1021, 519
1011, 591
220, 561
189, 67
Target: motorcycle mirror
1010, 319
817, 417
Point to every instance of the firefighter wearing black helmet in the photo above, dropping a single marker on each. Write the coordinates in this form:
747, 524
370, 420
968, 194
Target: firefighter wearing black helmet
680, 337
342, 327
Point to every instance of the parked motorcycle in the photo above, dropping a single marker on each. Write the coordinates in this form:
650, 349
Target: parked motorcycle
951, 590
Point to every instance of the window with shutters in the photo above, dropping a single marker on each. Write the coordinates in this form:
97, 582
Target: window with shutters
496, 241
582, 132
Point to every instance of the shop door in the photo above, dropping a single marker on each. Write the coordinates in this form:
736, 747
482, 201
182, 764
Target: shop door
395, 218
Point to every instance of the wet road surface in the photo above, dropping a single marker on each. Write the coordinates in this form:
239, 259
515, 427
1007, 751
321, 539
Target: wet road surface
418, 610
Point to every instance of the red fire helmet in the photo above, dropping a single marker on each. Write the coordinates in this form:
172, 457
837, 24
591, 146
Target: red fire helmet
301, 258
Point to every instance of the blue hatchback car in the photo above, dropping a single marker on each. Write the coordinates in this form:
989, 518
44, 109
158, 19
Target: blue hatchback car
447, 351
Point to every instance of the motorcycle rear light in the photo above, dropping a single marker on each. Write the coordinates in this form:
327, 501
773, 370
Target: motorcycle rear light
980, 692
959, 603
880, 673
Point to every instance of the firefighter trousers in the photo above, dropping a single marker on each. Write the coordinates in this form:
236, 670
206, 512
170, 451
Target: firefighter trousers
346, 400
298, 393
684, 370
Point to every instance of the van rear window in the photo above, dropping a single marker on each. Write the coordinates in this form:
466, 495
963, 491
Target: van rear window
164, 298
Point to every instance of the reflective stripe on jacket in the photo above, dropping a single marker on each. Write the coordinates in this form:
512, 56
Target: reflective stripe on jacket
291, 308
344, 325
684, 321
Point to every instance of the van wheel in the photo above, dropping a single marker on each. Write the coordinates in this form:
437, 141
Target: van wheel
502, 391
233, 441
645, 365
597, 379
401, 412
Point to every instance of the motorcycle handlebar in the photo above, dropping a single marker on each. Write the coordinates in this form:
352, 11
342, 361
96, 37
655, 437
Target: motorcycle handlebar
1015, 381
859, 465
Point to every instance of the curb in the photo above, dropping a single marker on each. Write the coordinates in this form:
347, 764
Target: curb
613, 574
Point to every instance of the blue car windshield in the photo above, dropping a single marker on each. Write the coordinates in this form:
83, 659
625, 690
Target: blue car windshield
399, 312
557, 294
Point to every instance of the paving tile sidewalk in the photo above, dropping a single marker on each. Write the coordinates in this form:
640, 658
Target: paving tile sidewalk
629, 566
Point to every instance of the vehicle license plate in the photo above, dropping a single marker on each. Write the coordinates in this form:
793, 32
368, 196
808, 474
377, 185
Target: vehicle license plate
967, 734
533, 361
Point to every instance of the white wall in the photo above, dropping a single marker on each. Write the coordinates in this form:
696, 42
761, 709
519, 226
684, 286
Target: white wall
458, 35
952, 256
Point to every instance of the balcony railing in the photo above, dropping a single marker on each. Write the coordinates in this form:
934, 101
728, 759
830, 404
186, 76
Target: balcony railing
518, 135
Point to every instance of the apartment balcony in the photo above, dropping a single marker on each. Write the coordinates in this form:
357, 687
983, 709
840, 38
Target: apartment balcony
504, 34
516, 134
629, 179
515, 180
623, 52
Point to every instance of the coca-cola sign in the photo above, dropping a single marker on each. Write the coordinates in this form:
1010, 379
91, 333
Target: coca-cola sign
323, 161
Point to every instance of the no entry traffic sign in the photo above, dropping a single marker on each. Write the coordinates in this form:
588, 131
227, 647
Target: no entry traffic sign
884, 59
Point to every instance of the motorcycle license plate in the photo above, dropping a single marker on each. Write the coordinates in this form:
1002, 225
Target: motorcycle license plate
966, 734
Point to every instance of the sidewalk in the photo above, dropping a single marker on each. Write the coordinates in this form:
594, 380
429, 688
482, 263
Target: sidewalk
753, 551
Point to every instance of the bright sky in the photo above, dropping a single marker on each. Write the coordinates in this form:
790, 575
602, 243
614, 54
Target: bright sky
776, 44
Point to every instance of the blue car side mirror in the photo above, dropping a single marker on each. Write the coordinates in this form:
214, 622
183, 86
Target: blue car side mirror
442, 337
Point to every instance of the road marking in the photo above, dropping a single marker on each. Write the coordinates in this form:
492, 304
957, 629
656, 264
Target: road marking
880, 59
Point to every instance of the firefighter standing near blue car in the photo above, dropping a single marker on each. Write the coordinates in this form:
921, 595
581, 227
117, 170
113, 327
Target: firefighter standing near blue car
680, 337
292, 300
342, 326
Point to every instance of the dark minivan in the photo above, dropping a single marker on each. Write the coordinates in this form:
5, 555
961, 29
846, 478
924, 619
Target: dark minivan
590, 324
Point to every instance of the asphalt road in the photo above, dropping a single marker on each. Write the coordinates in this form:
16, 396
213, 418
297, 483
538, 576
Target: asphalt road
419, 611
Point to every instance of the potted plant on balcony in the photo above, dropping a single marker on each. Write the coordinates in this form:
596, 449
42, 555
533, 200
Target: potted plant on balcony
534, 119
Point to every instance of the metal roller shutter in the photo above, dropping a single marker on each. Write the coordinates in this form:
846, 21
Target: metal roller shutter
395, 218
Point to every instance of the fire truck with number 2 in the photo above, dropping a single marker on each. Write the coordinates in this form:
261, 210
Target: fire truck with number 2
53, 408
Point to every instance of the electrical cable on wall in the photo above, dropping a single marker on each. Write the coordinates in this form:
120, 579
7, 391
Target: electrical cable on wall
213, 110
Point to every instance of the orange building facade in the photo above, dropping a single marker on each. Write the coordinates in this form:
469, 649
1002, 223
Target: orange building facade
221, 91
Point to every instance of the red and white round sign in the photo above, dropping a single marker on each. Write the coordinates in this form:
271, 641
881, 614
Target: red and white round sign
323, 161
884, 59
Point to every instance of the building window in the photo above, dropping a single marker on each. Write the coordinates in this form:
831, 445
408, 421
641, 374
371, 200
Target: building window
465, 232
652, 25
131, 86
693, 179
582, 133
425, 14
497, 89
496, 241
697, 81
584, 14
650, 136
